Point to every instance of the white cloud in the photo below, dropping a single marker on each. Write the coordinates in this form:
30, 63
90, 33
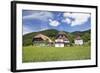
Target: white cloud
67, 20
79, 18
40, 15
54, 22
26, 30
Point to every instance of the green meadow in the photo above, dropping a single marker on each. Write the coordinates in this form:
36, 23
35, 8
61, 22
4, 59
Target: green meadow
45, 53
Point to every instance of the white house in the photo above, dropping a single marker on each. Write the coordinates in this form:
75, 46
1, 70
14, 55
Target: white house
59, 43
78, 41
61, 40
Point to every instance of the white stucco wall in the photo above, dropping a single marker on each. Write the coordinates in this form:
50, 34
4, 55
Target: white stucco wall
78, 42
59, 45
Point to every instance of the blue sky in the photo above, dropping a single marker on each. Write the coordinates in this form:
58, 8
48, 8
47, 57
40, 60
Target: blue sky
34, 21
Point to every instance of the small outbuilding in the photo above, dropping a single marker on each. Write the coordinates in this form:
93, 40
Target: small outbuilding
78, 40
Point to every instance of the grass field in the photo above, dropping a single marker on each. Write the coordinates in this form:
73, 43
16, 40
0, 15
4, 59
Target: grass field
42, 54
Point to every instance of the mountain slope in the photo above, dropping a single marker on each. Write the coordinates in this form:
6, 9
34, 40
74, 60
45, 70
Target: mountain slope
85, 35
